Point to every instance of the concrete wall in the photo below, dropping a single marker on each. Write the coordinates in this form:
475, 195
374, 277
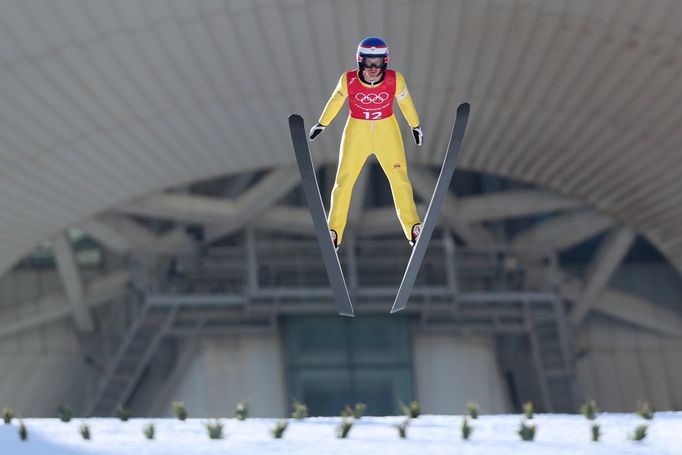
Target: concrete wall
225, 370
40, 368
24, 285
451, 370
619, 366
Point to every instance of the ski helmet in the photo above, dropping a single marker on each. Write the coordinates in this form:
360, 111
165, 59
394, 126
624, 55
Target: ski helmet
372, 47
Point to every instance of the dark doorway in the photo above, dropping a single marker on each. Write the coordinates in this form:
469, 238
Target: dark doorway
336, 361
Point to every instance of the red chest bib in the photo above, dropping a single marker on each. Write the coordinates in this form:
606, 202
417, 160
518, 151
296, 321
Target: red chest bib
370, 103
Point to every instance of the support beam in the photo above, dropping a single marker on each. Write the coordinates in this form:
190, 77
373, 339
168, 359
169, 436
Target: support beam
71, 282
118, 230
423, 182
510, 204
564, 231
257, 200
284, 218
175, 240
238, 183
639, 312
608, 258
183, 207
53, 307
617, 304
139, 237
106, 234
121, 230
223, 215
569, 229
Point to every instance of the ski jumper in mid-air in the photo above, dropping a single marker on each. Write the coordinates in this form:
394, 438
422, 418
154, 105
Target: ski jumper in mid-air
372, 128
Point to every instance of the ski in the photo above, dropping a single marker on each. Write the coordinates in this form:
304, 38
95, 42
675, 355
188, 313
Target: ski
431, 218
312, 195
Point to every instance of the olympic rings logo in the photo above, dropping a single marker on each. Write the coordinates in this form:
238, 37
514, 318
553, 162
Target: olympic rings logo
371, 98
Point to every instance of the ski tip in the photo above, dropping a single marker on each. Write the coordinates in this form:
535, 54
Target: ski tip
349, 315
463, 109
395, 310
295, 119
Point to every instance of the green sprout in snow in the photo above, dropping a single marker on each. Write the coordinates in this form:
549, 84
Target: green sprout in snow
179, 410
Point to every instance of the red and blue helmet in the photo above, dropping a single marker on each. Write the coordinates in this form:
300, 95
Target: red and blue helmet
372, 47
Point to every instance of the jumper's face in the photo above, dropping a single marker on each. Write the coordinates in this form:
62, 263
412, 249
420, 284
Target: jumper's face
373, 73
372, 67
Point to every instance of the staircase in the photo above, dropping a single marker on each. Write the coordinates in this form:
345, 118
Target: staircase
132, 356
546, 327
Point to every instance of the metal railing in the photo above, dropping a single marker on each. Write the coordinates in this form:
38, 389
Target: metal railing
267, 265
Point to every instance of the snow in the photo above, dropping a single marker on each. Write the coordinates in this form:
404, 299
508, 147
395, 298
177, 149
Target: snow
556, 434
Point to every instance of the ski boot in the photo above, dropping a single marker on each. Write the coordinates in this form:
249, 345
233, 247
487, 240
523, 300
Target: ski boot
416, 231
334, 237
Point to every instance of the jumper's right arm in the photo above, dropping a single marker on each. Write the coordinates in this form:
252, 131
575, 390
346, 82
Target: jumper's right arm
332, 108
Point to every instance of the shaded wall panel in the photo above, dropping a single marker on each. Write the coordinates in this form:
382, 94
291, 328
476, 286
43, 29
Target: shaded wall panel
620, 366
229, 369
450, 371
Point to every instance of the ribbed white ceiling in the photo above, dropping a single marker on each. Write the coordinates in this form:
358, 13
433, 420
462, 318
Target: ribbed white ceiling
103, 101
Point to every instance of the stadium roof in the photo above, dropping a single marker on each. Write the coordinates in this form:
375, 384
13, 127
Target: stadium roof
104, 102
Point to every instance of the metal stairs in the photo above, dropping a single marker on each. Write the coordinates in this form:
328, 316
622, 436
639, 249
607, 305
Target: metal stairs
139, 343
546, 326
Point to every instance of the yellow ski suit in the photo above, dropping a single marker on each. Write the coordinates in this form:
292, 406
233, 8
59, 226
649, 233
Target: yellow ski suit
360, 139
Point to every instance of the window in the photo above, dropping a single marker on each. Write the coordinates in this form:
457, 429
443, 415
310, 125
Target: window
336, 361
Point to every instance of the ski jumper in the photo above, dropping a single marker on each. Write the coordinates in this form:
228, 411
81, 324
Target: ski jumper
371, 128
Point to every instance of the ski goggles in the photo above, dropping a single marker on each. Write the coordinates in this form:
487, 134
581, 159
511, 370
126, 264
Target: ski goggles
373, 62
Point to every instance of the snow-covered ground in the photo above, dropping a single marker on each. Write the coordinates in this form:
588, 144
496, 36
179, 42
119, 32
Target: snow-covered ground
556, 434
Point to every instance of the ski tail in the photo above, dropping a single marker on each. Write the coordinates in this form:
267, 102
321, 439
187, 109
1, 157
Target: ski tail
431, 218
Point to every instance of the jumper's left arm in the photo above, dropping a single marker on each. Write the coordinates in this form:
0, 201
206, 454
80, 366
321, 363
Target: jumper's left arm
407, 107
402, 95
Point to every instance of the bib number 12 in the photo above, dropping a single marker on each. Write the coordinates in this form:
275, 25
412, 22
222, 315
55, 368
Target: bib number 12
372, 115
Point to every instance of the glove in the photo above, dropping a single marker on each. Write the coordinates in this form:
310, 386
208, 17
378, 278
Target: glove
418, 135
316, 130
